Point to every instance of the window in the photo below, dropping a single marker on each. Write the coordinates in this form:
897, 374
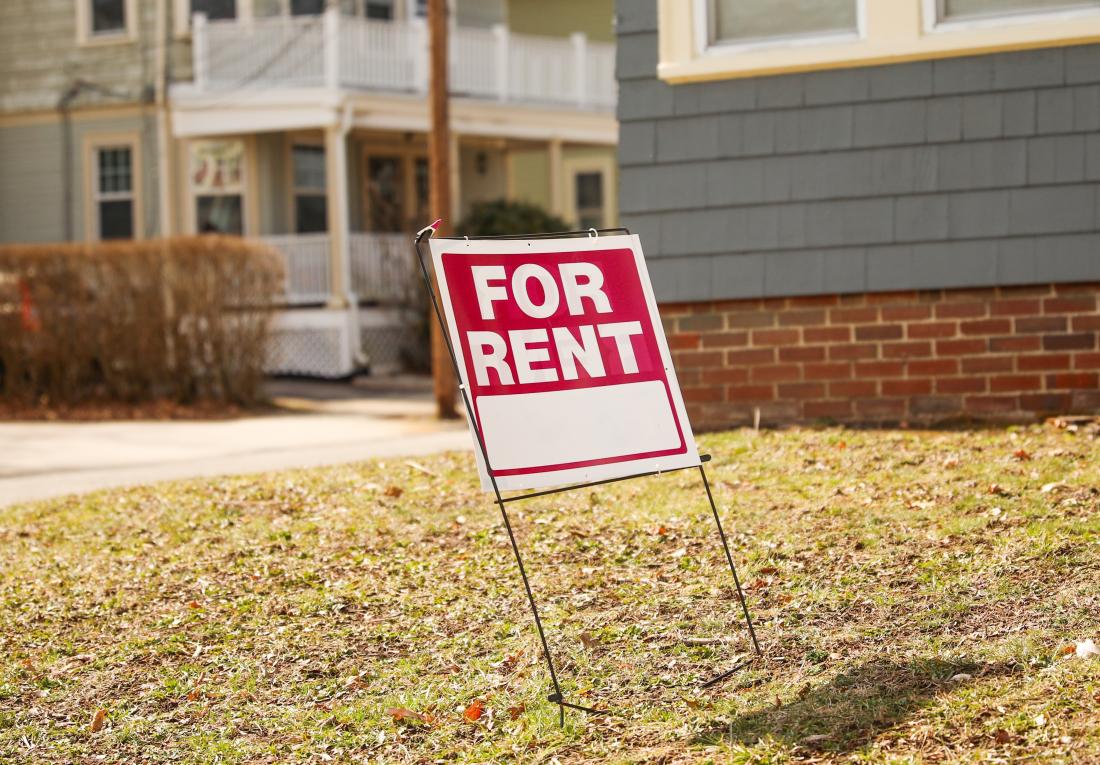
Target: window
753, 20
951, 10
718, 39
310, 206
385, 193
217, 184
381, 10
588, 195
215, 9
108, 17
114, 192
307, 7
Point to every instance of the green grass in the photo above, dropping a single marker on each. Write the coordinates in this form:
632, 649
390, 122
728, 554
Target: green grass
913, 592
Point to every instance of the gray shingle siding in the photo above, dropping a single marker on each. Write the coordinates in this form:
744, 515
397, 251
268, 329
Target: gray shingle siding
960, 172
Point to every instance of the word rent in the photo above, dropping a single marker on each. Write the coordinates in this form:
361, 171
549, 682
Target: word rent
577, 286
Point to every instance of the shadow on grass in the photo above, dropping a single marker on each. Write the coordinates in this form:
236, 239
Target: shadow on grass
854, 706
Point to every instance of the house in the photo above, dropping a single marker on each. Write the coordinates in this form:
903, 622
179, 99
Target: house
865, 210
302, 123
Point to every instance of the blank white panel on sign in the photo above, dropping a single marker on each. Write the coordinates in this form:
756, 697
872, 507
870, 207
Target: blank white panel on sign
534, 430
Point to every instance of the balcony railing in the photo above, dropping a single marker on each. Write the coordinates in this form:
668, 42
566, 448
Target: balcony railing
336, 51
382, 267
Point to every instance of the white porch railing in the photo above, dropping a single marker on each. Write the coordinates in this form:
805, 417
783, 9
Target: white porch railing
383, 267
336, 51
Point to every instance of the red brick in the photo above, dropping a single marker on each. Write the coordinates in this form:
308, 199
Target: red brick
859, 315
690, 359
750, 393
866, 369
1041, 324
1086, 361
827, 334
725, 376
990, 404
960, 385
774, 303
1087, 323
750, 357
935, 405
881, 407
900, 296
959, 347
932, 330
802, 353
750, 319
802, 390
689, 376
961, 310
680, 342
802, 318
1074, 304
703, 306
1077, 289
906, 312
737, 306
725, 339
1085, 341
706, 322
851, 352
1046, 402
827, 409
705, 393
1018, 307
986, 327
906, 350
879, 332
1013, 343
833, 371
774, 373
1018, 291
852, 388
1072, 380
933, 367
982, 364
806, 301
1006, 383
1043, 361
774, 336
906, 387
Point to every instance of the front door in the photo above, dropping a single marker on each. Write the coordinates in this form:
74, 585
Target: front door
396, 191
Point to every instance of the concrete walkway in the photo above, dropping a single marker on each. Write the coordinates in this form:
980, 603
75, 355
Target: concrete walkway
316, 424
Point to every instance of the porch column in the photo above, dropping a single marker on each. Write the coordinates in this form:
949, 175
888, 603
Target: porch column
557, 191
336, 190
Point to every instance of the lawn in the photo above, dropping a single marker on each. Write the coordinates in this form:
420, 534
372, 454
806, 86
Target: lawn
918, 596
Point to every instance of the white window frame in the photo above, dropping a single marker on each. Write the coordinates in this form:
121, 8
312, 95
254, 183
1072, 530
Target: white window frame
605, 167
93, 144
182, 15
706, 44
86, 37
295, 189
935, 18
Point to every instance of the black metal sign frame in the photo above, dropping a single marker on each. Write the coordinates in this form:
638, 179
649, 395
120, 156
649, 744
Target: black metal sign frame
501, 501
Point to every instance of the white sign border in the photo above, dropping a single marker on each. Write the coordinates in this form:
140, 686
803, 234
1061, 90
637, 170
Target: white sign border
590, 473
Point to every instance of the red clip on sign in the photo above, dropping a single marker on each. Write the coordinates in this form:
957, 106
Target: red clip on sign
561, 349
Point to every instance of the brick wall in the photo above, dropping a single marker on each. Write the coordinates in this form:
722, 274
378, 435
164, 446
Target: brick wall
1002, 353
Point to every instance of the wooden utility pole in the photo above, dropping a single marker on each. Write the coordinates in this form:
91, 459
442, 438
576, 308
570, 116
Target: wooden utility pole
439, 182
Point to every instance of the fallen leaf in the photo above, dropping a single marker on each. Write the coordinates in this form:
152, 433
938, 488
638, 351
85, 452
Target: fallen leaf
1040, 720
769, 570
194, 695
420, 468
406, 716
394, 491
474, 711
1068, 650
516, 711
589, 641
98, 719
962, 677
757, 584
1049, 487
193, 604
692, 703
815, 739
1002, 736
997, 489
1022, 455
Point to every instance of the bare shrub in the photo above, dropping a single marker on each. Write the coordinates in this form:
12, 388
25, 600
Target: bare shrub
184, 319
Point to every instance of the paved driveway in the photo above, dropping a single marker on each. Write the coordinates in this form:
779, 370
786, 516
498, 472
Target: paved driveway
318, 424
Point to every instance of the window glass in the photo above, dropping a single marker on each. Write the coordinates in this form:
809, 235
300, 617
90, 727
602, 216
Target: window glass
309, 167
379, 9
385, 194
215, 9
976, 8
310, 213
219, 214
423, 189
746, 20
114, 198
108, 16
588, 188
307, 7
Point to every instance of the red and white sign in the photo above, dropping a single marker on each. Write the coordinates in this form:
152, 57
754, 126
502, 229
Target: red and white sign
564, 358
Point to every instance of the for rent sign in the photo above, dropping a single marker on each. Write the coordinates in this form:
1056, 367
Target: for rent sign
561, 349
